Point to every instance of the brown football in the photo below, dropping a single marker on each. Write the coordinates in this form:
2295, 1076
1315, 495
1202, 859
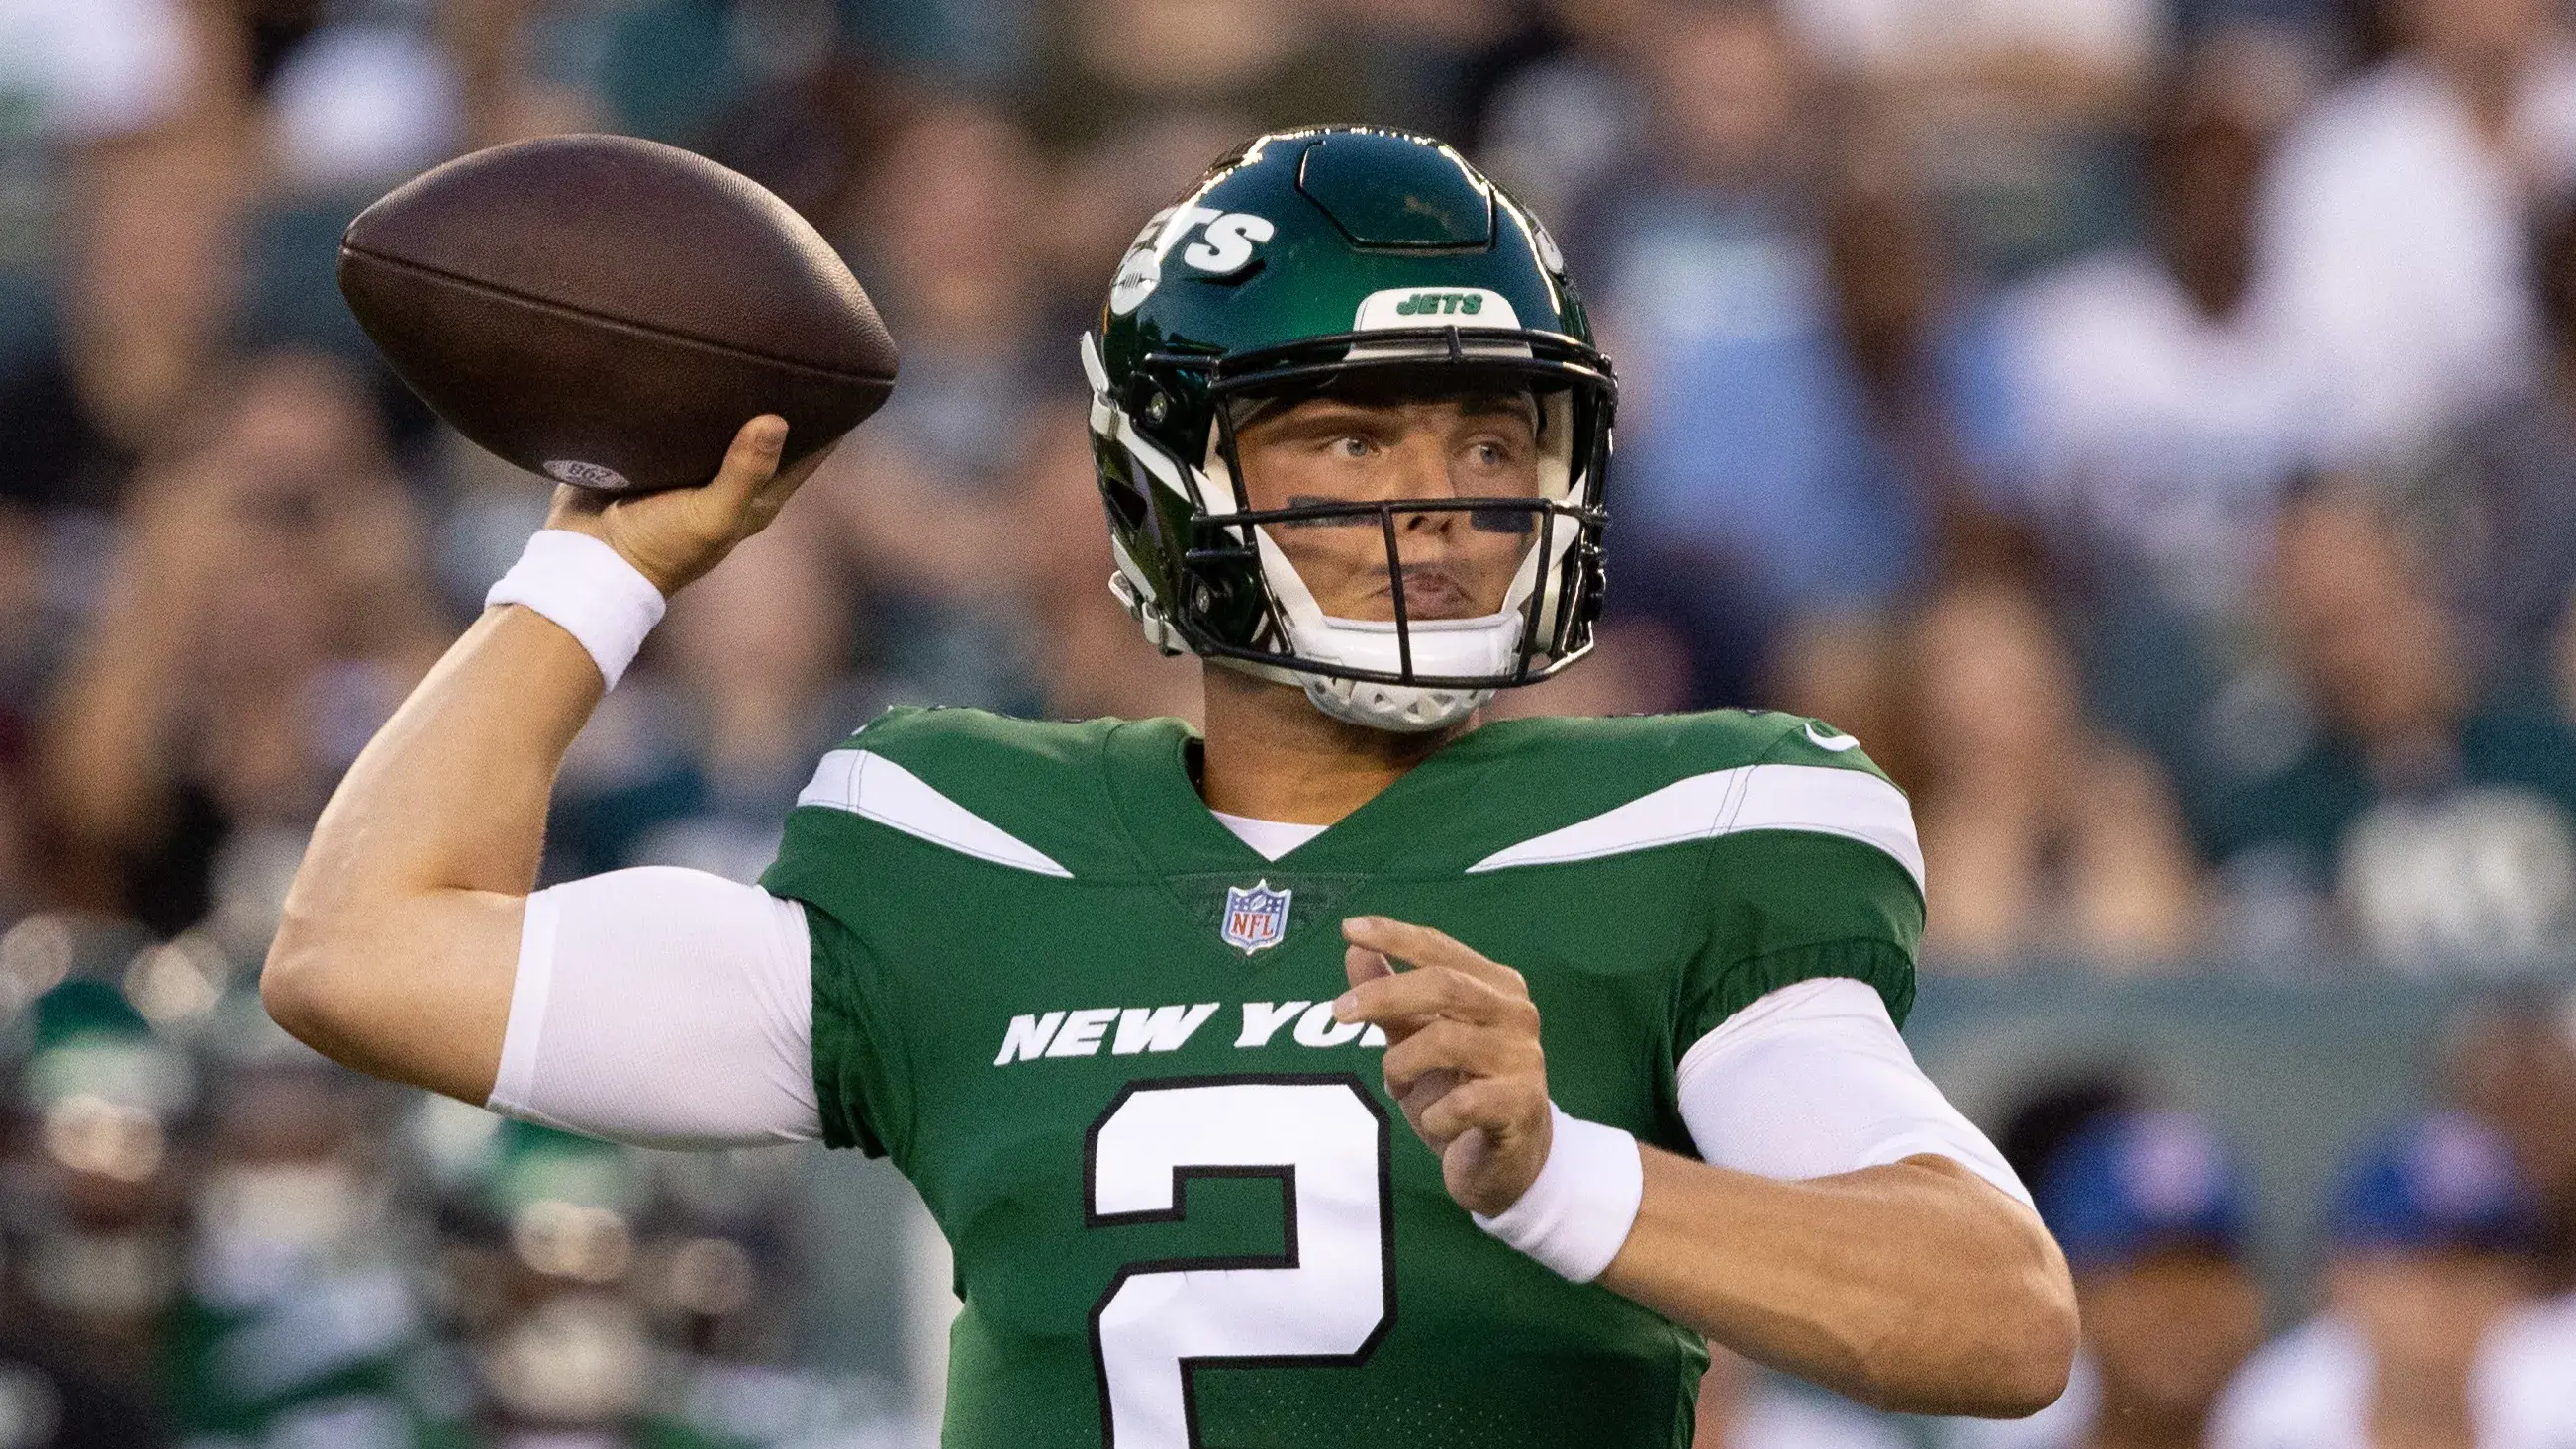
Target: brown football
608, 311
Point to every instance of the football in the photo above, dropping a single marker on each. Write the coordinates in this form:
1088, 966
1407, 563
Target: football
608, 311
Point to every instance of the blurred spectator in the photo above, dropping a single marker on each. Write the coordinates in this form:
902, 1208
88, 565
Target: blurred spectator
814, 135
2061, 44
2500, 497
2154, 406
102, 68
1092, 658
1636, 666
2513, 1064
2153, 1216
1574, 111
69, 1377
363, 103
1096, 200
2155, 409
604, 1305
1422, 62
152, 279
265, 612
506, 92
300, 1321
1743, 1406
945, 228
2048, 836
540, 1252
919, 499
699, 764
2056, 1110
1757, 483
2444, 831
1116, 63
93, 1198
2427, 1232
2394, 221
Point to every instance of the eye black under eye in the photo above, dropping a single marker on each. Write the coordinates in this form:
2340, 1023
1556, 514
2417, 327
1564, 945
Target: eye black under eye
1339, 520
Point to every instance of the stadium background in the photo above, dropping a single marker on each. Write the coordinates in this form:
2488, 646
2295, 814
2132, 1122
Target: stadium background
2150, 425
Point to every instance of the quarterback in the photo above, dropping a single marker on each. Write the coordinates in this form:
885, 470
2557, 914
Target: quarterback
1357, 1074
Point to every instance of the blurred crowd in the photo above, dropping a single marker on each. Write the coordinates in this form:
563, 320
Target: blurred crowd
2150, 425
2438, 1310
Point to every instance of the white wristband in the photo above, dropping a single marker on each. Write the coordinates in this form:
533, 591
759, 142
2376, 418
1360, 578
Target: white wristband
590, 590
1578, 1211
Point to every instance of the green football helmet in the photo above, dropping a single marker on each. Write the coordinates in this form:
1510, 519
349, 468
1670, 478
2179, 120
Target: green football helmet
1309, 258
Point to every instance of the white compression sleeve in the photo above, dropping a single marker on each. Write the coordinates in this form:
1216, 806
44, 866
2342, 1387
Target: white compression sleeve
662, 1007
1812, 1080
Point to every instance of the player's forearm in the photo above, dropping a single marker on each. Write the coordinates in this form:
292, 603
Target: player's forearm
399, 936
452, 792
1914, 1287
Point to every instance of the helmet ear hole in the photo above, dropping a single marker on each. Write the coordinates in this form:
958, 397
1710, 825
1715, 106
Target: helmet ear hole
1122, 493
1125, 508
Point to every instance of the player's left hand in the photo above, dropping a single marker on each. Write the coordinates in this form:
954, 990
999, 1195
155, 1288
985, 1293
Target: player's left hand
1462, 1055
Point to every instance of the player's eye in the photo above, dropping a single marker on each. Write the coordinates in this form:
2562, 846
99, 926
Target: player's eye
1352, 445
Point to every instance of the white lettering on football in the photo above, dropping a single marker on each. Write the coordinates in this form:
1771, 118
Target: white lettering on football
586, 475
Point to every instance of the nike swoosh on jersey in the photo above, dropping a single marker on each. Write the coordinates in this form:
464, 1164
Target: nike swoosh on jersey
1818, 799
1835, 743
873, 787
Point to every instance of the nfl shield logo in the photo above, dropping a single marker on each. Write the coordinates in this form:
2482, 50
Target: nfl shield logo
1255, 919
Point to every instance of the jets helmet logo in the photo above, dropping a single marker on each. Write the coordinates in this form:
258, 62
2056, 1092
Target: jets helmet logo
1255, 917
1225, 246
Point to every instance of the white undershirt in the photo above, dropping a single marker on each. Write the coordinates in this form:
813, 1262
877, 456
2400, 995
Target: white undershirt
671, 1007
1271, 839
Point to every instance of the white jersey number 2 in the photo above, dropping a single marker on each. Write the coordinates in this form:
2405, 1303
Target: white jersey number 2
1326, 1300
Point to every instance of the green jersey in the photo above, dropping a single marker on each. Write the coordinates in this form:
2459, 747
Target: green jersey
1094, 1028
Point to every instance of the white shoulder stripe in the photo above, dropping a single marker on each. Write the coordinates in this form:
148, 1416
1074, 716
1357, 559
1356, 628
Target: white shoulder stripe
876, 788
1817, 799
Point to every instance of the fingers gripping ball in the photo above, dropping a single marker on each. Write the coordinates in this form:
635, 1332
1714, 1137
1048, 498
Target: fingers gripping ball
673, 538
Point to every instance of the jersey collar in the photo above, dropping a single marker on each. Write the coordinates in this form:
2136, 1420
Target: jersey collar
1398, 829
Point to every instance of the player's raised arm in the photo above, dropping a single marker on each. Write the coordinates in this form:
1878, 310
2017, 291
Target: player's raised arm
402, 933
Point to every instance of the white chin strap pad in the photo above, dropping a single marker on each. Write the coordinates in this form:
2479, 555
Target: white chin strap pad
1404, 709
1484, 645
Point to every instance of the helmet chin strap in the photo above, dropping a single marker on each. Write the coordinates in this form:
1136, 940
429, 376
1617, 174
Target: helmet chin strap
1404, 709
1470, 647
